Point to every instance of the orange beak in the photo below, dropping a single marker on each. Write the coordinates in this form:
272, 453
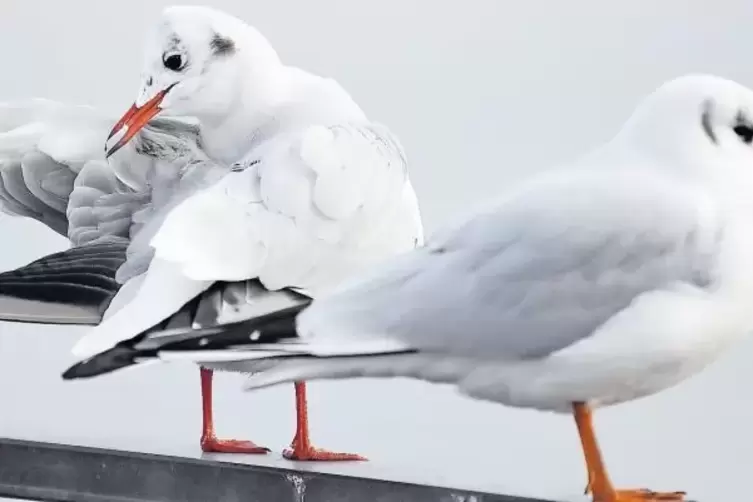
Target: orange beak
135, 119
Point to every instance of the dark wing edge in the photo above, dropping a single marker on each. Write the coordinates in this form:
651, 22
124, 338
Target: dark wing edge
228, 315
74, 286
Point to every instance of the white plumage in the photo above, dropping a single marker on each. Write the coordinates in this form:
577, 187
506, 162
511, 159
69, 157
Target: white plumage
264, 220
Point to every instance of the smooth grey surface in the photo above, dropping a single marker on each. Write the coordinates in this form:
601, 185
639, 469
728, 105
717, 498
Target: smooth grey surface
481, 93
66, 473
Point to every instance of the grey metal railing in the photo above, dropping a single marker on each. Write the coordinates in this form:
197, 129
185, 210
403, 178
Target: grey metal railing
58, 472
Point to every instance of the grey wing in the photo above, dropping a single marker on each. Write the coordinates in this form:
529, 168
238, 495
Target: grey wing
43, 146
101, 207
52, 167
119, 199
531, 276
36, 186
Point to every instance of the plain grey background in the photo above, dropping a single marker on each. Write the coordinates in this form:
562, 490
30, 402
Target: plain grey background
482, 93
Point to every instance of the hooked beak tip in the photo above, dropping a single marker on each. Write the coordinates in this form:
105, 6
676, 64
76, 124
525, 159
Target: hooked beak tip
109, 153
124, 138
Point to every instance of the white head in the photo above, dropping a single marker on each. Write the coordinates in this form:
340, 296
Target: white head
199, 62
697, 123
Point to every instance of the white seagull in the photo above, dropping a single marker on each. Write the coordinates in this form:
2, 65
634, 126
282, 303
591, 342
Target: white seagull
613, 278
317, 192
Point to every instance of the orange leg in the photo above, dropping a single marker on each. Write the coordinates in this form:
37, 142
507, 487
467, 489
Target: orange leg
599, 483
301, 448
209, 441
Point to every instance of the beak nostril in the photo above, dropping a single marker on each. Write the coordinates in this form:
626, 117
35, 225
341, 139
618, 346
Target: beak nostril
149, 81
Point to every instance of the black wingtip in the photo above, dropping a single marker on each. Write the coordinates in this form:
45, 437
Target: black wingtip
198, 325
270, 328
117, 358
74, 286
258, 316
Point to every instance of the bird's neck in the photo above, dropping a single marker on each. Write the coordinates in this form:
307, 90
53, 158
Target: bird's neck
229, 139
227, 135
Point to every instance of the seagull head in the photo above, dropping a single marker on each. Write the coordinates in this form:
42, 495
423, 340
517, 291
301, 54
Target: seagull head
696, 123
198, 62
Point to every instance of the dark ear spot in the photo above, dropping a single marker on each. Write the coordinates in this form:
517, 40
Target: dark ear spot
221, 46
743, 128
706, 120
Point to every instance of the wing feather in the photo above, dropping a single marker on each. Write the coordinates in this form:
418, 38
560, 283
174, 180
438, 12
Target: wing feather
52, 167
260, 221
522, 280
300, 211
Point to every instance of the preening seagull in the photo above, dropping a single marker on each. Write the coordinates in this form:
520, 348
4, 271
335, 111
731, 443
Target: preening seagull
316, 193
619, 275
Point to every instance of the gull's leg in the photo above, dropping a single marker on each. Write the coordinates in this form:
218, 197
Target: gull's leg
599, 483
209, 441
301, 448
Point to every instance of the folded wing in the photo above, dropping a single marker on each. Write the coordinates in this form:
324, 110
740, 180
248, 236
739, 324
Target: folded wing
521, 280
298, 215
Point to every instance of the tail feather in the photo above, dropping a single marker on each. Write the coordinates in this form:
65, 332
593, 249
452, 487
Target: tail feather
74, 286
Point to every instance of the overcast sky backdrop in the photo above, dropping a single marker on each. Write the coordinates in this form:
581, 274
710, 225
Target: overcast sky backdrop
481, 93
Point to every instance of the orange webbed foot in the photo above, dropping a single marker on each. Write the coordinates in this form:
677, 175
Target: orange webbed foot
310, 453
642, 495
214, 445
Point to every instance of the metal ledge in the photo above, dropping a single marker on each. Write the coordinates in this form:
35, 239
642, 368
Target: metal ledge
58, 472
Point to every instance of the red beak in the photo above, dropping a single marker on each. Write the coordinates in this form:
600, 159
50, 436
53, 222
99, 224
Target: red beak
135, 119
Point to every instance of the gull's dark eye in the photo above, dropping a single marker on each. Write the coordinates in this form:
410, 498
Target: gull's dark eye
173, 62
745, 133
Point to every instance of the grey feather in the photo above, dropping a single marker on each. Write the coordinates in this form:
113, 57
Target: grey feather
21, 201
47, 180
523, 280
13, 181
10, 204
52, 169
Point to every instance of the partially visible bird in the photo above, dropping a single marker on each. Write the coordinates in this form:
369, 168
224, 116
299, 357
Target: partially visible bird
53, 169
